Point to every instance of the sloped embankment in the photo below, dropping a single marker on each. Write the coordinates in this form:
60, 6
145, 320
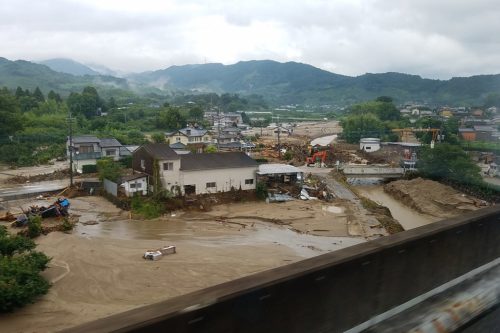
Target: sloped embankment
431, 197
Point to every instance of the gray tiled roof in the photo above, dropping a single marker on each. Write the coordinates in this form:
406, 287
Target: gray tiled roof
210, 161
161, 151
110, 142
193, 131
85, 139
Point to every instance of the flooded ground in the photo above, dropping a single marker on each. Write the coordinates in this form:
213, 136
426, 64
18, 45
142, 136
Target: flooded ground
405, 215
98, 269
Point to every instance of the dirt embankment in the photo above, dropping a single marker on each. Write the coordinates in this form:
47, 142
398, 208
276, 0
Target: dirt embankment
432, 198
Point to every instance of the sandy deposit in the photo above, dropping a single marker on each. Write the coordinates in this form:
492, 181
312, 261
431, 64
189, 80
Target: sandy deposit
431, 198
98, 270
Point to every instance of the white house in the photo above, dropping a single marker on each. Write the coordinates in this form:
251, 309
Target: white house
195, 173
369, 144
136, 183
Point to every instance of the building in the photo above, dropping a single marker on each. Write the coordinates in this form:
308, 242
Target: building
189, 135
194, 173
369, 144
467, 134
134, 184
87, 149
280, 174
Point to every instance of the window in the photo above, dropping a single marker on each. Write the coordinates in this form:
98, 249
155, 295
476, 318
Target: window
85, 149
168, 166
143, 164
178, 139
138, 185
212, 184
111, 152
190, 139
248, 181
132, 185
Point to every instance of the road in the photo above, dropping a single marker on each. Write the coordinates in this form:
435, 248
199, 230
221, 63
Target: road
17, 191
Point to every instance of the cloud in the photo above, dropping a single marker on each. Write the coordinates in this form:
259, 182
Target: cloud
437, 39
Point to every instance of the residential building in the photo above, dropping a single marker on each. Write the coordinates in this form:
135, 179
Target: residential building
134, 184
87, 149
194, 173
467, 134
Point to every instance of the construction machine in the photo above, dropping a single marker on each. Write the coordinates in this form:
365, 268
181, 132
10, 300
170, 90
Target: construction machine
319, 156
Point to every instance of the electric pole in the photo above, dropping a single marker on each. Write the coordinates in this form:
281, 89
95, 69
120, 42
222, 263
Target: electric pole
70, 147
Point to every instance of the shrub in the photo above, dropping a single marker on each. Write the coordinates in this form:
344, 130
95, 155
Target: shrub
34, 226
261, 190
66, 225
20, 280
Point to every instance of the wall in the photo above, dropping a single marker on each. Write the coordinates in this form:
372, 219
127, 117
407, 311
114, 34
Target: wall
224, 179
142, 182
328, 293
170, 178
77, 164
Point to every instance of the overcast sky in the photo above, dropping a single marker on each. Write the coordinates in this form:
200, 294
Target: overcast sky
431, 38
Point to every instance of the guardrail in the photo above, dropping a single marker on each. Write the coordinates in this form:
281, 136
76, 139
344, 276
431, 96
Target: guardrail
329, 293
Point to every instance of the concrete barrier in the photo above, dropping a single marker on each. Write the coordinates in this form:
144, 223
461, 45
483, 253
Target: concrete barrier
329, 293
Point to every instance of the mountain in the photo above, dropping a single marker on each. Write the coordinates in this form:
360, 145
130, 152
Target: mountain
29, 75
69, 66
279, 83
293, 82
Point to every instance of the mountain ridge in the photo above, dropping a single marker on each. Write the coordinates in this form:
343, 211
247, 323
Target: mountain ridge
279, 83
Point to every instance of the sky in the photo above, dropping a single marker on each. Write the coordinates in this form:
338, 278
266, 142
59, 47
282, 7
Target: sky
432, 38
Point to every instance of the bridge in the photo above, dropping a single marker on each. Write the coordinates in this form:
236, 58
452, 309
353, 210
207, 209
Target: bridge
354, 289
372, 171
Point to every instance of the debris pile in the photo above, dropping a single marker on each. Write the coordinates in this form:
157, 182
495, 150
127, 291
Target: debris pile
58, 209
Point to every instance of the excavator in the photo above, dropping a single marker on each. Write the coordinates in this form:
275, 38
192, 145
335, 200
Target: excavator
319, 156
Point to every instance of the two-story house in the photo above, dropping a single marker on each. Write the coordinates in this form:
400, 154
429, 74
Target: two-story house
87, 149
193, 138
194, 173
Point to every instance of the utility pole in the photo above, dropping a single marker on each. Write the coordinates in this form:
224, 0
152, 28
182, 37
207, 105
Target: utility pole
218, 128
279, 131
70, 147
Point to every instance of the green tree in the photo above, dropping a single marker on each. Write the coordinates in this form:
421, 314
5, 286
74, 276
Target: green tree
355, 127
211, 149
170, 119
109, 169
54, 96
87, 103
195, 113
448, 162
20, 267
19, 92
381, 108
11, 118
38, 95
158, 137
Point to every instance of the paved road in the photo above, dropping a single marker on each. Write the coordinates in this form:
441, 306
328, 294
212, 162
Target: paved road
18, 191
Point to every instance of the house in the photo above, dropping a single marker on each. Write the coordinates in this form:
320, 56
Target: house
196, 138
87, 149
194, 173
134, 184
467, 134
484, 133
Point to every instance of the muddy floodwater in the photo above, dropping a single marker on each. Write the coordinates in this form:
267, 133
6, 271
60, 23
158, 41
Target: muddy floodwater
405, 215
208, 233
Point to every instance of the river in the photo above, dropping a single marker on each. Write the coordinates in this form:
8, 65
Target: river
406, 216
